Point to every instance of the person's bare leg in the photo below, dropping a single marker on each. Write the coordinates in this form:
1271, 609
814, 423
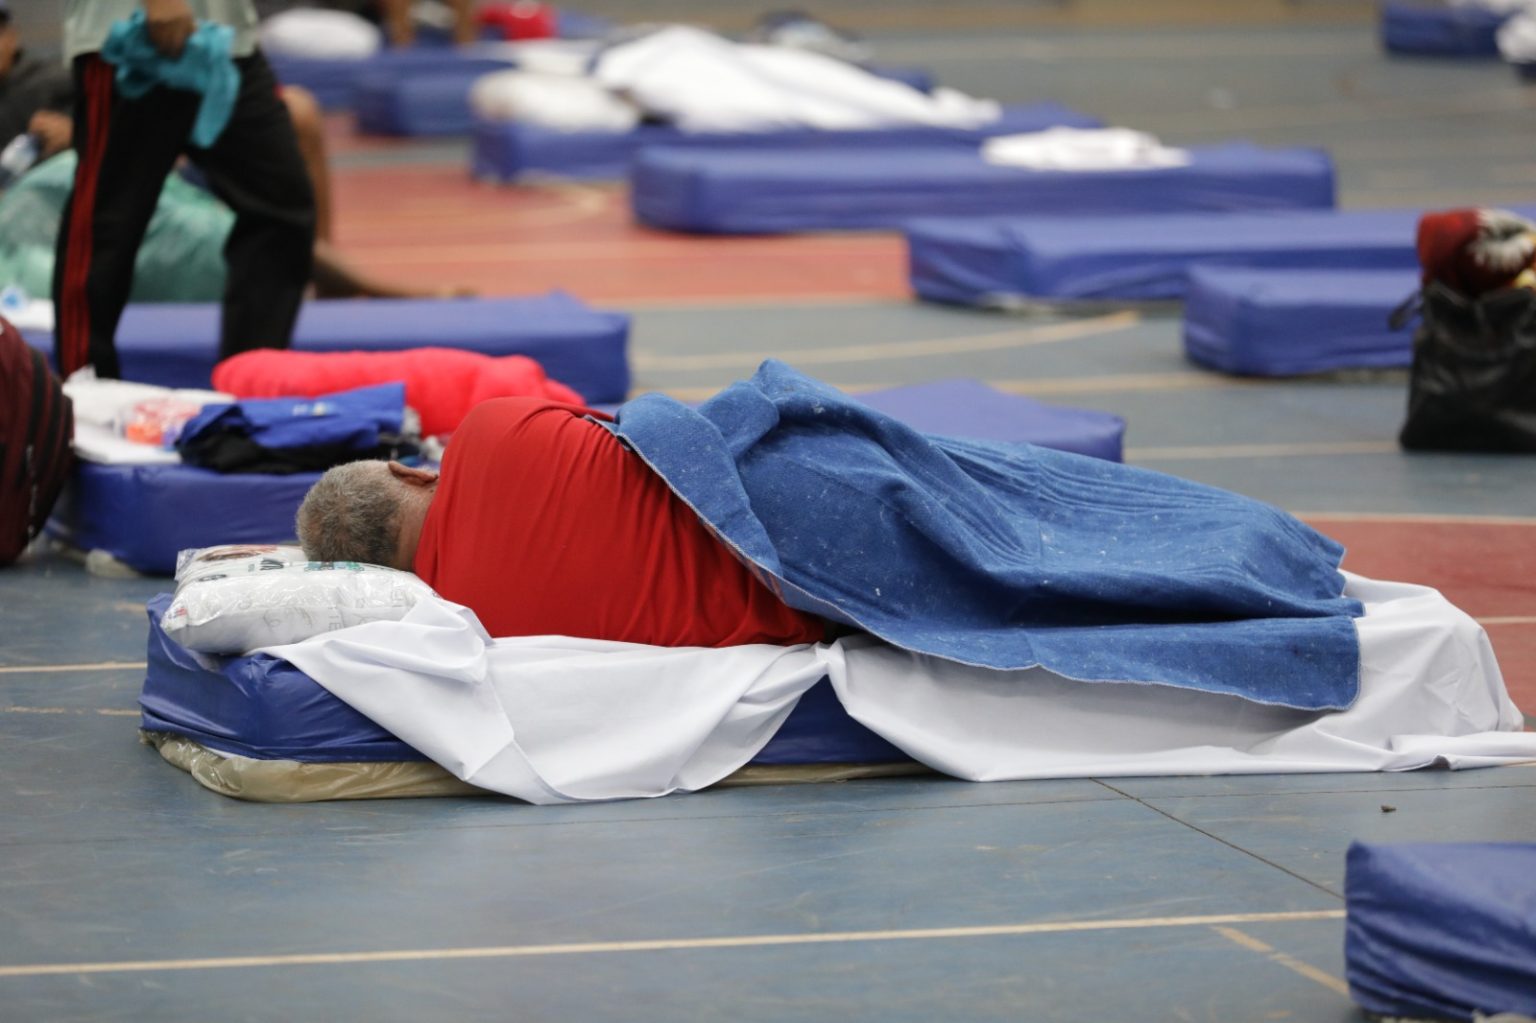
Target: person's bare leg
398, 26
335, 277
309, 125
464, 28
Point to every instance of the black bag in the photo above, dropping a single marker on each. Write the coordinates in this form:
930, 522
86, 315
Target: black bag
37, 423
1473, 383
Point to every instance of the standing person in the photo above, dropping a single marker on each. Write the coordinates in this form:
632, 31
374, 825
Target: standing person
34, 94
128, 145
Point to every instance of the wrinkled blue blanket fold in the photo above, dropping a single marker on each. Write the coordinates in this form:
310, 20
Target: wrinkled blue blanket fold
1007, 556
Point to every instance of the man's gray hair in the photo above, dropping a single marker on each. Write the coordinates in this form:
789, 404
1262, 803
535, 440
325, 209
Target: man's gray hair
351, 514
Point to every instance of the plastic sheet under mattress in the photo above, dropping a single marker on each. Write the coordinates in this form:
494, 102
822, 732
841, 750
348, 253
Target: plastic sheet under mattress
1441, 30
508, 150
143, 515
1441, 931
266, 709
740, 191
1286, 322
1001, 260
177, 345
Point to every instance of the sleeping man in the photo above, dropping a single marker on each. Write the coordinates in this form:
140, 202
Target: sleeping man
781, 506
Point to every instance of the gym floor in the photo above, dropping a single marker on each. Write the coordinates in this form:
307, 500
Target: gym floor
128, 892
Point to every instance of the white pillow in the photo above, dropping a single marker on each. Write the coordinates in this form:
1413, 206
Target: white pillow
237, 604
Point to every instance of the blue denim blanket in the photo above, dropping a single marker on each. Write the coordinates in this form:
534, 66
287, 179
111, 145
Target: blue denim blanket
1007, 556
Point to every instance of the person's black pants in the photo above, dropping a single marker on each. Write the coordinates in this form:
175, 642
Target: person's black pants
126, 148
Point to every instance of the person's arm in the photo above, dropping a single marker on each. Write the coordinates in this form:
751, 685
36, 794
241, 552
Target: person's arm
54, 131
170, 24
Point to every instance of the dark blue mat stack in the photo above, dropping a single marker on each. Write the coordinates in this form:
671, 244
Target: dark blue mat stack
1289, 322
1440, 30
508, 150
265, 708
741, 191
176, 345
1002, 260
335, 82
1441, 931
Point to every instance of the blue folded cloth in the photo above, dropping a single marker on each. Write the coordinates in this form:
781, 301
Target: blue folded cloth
1007, 556
357, 420
205, 66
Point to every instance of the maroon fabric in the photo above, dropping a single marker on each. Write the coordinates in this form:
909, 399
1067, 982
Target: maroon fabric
36, 427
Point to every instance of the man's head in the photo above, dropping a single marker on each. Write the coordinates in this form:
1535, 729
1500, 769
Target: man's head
366, 511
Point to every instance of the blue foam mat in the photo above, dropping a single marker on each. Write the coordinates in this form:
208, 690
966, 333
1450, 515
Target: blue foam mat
829, 188
143, 515
1440, 30
1288, 322
176, 345
1441, 931
334, 82
266, 709
1001, 259
507, 150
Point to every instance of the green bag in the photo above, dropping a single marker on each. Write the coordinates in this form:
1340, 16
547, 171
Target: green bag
180, 260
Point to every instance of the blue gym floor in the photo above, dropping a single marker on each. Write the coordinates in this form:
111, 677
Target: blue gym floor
128, 892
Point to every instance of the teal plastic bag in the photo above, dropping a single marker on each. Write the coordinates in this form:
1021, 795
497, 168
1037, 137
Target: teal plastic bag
180, 260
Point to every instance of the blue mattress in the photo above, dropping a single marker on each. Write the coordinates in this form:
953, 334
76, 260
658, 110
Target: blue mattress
143, 515
1440, 30
1134, 258
266, 709
1441, 931
1287, 322
507, 150
334, 82
437, 102
176, 345
740, 191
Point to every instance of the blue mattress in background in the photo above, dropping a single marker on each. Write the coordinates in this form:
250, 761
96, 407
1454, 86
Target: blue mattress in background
508, 150
334, 81
1287, 322
144, 514
1440, 30
1441, 931
997, 260
177, 345
740, 191
266, 709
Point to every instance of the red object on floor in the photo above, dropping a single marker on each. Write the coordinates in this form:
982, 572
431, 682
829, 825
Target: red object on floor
441, 384
521, 20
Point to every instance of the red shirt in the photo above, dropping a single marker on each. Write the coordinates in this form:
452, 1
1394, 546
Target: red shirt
544, 523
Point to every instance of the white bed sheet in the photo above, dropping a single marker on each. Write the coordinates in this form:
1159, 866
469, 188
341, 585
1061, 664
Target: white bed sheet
554, 719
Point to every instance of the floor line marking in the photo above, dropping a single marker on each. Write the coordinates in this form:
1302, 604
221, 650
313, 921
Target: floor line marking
661, 945
103, 711
1291, 963
1049, 334
44, 669
1508, 620
1429, 518
1211, 451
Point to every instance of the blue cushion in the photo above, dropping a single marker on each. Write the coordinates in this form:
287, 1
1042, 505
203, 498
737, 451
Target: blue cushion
741, 191
507, 150
1440, 30
1287, 322
1441, 930
177, 345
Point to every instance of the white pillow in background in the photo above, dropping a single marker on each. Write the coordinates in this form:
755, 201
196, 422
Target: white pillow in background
237, 605
316, 34
560, 102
